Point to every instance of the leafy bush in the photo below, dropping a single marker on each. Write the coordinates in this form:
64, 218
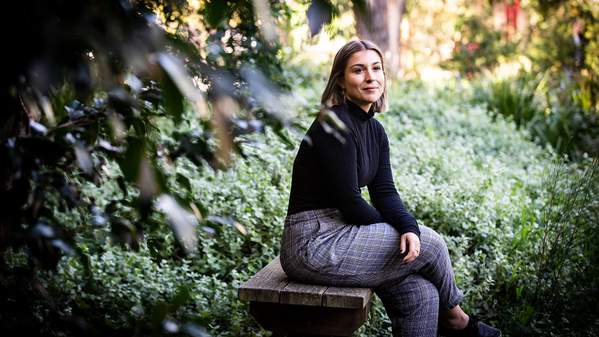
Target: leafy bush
553, 117
477, 180
479, 47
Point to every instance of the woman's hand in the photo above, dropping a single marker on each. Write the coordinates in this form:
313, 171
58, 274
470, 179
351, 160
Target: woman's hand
410, 241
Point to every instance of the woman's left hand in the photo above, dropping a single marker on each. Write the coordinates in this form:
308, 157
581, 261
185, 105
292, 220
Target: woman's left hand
410, 241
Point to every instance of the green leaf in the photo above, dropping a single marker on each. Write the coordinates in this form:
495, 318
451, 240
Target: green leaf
131, 161
182, 222
172, 98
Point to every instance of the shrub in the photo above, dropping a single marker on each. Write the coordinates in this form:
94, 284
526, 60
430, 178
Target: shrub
477, 180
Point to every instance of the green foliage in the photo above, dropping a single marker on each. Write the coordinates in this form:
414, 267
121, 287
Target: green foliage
565, 44
479, 47
552, 117
556, 251
563, 49
477, 180
83, 158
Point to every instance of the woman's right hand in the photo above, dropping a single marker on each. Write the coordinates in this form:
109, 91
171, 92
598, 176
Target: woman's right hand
411, 242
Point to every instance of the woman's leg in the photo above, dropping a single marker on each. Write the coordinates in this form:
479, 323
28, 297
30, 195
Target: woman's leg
412, 306
454, 318
434, 264
319, 247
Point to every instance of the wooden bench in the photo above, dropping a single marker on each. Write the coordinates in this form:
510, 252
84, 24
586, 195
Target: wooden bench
294, 309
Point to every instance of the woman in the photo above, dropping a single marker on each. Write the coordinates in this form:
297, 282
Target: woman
332, 236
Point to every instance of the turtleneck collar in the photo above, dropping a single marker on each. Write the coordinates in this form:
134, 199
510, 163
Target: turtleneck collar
358, 112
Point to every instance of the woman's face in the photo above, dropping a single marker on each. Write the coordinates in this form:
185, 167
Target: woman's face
363, 78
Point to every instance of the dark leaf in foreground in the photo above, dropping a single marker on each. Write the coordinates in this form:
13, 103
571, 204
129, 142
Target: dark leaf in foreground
319, 13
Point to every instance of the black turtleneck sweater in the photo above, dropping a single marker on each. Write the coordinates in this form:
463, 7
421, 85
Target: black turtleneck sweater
328, 173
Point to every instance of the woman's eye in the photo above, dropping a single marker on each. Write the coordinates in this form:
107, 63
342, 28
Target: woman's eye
377, 68
357, 71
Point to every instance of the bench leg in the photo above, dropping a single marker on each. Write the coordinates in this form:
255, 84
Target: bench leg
307, 321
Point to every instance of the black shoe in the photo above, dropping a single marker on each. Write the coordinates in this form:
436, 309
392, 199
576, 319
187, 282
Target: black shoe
475, 328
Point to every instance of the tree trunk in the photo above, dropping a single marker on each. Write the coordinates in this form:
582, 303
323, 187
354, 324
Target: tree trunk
380, 23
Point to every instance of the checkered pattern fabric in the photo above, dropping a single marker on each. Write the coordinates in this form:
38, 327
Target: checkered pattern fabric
319, 247
412, 306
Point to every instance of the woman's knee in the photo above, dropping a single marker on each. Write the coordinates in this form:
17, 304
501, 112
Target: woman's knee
431, 241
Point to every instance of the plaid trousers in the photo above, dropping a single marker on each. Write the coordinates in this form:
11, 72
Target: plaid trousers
319, 247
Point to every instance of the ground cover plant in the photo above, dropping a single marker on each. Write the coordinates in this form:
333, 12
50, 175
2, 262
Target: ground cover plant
497, 197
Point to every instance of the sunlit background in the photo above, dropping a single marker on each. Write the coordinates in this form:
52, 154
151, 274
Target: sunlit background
146, 149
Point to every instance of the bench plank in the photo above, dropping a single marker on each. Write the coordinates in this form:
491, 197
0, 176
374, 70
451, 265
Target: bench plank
302, 294
289, 308
335, 297
272, 285
266, 285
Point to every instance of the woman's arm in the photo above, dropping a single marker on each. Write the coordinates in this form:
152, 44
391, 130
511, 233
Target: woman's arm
384, 195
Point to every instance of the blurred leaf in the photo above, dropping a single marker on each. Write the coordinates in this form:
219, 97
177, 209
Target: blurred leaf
69, 193
221, 220
173, 67
131, 161
227, 221
149, 182
62, 246
38, 128
241, 228
182, 222
122, 185
268, 96
170, 326
196, 211
104, 144
195, 147
331, 124
285, 138
122, 101
134, 83
84, 160
43, 230
194, 330
320, 12
224, 108
117, 127
98, 217
172, 98
124, 232
267, 27
209, 230
75, 110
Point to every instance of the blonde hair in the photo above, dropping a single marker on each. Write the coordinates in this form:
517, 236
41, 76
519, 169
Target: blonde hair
333, 93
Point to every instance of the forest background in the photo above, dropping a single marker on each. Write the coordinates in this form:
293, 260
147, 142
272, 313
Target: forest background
146, 149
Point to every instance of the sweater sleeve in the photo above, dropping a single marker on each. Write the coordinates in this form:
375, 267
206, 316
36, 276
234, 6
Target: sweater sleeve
339, 165
384, 195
